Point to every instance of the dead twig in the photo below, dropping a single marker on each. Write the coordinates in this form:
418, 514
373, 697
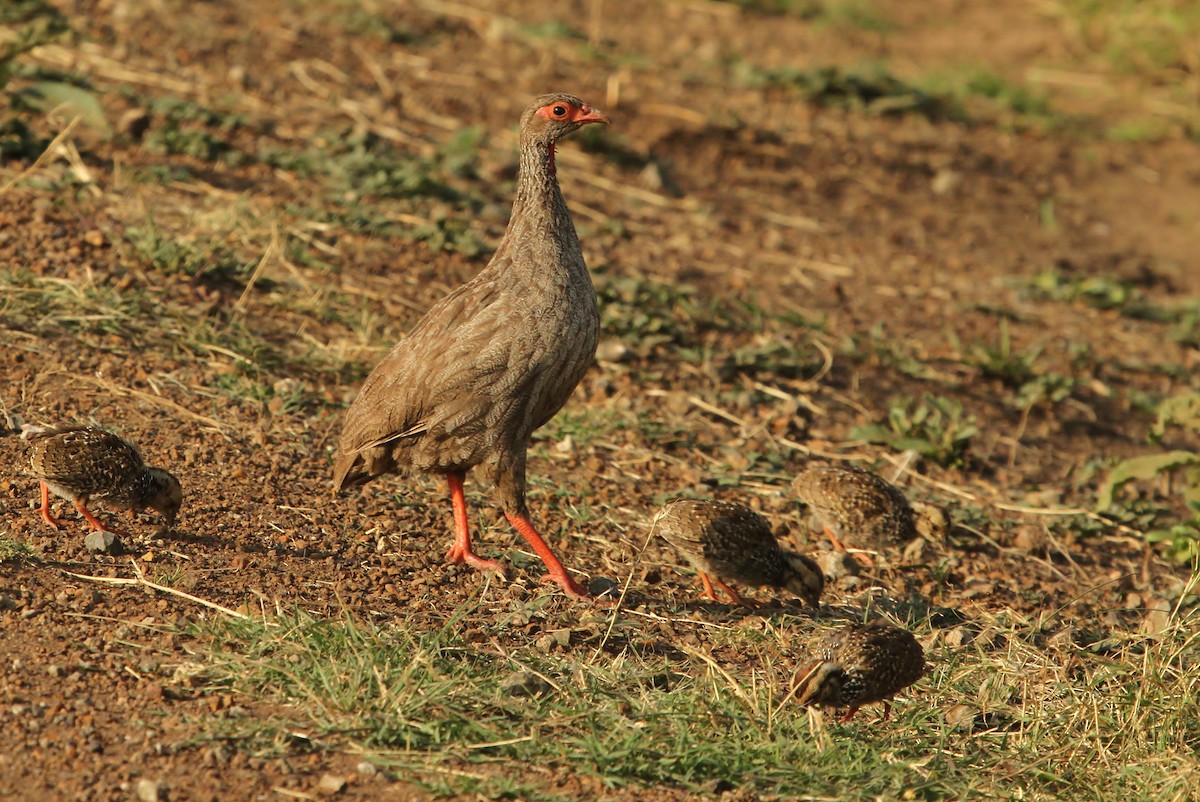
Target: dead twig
141, 580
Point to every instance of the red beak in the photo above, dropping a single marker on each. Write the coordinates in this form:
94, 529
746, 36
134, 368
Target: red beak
590, 115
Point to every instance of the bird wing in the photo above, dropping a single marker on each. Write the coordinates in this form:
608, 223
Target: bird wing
450, 374
88, 458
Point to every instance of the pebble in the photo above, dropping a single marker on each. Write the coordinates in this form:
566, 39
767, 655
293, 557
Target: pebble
1158, 619
150, 790
603, 586
612, 350
836, 564
525, 683
1030, 537
103, 542
331, 784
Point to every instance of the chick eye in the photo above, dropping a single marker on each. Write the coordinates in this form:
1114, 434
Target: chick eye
559, 110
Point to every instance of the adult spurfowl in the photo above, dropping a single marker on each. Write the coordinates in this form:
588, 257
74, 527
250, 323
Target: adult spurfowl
87, 463
493, 360
860, 664
730, 541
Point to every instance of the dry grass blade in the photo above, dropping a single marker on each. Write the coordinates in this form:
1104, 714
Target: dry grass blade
157, 400
54, 145
142, 581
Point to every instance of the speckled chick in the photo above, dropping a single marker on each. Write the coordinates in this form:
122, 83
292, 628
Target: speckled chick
860, 664
86, 463
725, 541
860, 506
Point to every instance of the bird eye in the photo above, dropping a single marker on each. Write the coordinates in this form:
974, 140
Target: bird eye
560, 110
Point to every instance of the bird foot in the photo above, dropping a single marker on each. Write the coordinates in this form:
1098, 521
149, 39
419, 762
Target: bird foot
864, 557
569, 586
94, 523
50, 519
459, 555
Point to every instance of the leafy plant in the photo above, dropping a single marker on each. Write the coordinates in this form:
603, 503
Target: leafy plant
1046, 387
26, 24
1001, 362
936, 428
1182, 540
1182, 411
872, 89
188, 129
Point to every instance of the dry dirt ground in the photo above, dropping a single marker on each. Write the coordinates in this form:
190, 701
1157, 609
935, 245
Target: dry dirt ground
774, 273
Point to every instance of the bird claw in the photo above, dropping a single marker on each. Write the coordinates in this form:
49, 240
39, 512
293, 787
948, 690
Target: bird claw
457, 555
569, 586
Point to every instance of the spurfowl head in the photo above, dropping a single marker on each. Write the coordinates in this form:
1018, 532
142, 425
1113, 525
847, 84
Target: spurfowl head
164, 494
820, 683
803, 577
551, 117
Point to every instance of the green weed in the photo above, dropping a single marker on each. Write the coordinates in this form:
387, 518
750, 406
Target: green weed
25, 25
1182, 413
165, 254
937, 428
463, 706
13, 550
1001, 362
872, 89
1147, 37
844, 14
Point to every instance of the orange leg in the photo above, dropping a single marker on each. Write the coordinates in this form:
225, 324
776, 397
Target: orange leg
887, 710
557, 572
709, 593
733, 595
849, 714
461, 552
837, 544
94, 523
46, 516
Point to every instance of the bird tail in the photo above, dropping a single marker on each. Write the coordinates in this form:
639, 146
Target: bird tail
347, 471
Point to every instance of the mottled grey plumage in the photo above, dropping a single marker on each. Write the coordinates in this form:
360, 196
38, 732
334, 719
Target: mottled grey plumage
729, 541
860, 664
860, 507
87, 463
493, 360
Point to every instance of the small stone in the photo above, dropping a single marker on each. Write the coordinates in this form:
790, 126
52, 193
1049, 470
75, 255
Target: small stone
612, 350
525, 683
134, 123
366, 769
946, 181
95, 238
961, 716
603, 586
1158, 619
331, 784
151, 790
959, 636
836, 564
103, 542
1030, 537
